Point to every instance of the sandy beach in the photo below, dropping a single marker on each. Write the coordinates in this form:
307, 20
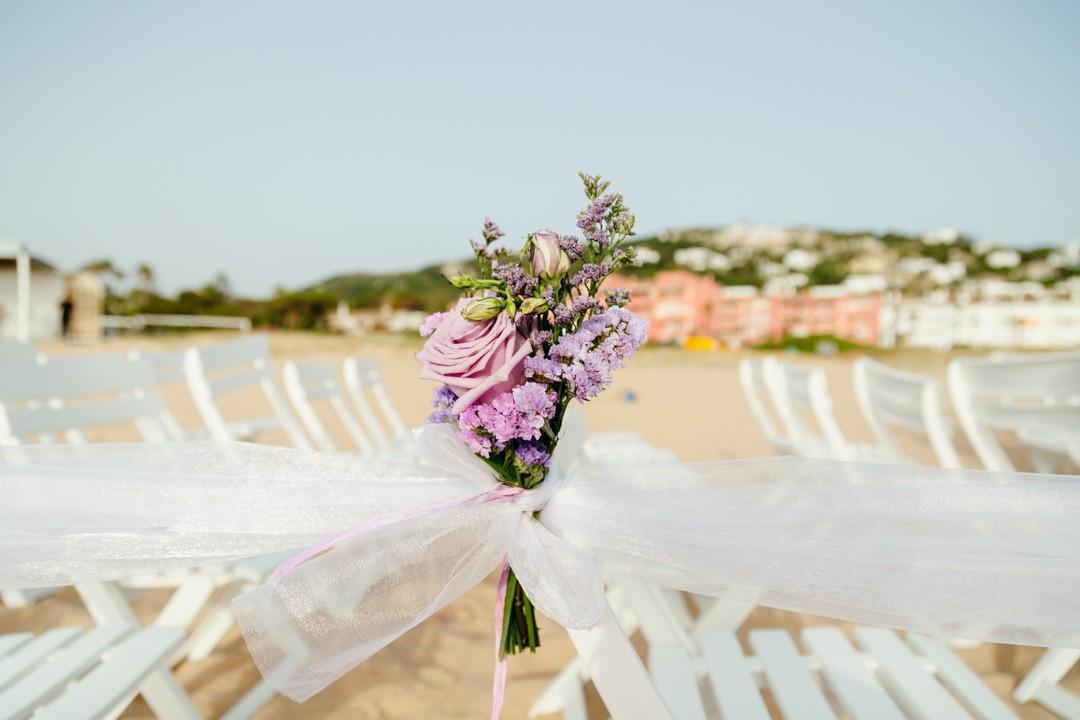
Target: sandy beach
690, 403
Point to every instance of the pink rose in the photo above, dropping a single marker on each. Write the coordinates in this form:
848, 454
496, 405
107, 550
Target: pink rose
477, 359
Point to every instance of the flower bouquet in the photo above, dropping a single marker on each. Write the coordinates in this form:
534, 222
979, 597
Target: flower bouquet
531, 334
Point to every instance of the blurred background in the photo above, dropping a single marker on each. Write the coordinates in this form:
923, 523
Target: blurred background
818, 187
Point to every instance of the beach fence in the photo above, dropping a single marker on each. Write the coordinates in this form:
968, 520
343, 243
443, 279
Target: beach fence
141, 322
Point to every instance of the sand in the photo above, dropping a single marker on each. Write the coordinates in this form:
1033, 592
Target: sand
688, 402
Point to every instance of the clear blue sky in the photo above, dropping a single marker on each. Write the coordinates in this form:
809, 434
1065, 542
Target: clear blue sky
282, 142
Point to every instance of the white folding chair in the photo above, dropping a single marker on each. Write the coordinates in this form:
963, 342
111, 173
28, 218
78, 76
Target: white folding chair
69, 672
216, 371
1037, 398
362, 377
881, 677
310, 384
168, 367
752, 380
797, 390
890, 398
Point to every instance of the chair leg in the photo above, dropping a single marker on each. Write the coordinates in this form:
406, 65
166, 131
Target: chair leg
186, 601
248, 705
167, 699
206, 636
1050, 668
618, 673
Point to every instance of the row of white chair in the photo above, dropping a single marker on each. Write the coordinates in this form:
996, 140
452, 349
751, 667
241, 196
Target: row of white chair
1035, 398
67, 398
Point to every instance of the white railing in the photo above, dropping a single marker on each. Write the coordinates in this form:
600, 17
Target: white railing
139, 322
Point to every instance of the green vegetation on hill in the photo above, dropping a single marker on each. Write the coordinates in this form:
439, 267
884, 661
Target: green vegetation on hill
836, 255
425, 289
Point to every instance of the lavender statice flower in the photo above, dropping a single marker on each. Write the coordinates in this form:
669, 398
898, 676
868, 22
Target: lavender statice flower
532, 452
517, 280
592, 272
442, 400
566, 314
491, 231
431, 323
586, 359
519, 414
617, 297
571, 246
541, 368
591, 216
481, 249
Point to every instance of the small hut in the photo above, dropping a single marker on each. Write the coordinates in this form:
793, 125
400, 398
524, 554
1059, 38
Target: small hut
31, 295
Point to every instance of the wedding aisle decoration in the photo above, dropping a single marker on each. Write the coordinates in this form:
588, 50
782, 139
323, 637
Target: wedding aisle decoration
959, 553
530, 335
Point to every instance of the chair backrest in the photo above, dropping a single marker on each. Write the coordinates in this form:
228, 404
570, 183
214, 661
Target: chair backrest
168, 367
68, 395
362, 376
890, 399
796, 390
752, 379
308, 384
1037, 397
216, 371
16, 352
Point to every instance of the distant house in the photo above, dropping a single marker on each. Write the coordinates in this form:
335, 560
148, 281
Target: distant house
31, 293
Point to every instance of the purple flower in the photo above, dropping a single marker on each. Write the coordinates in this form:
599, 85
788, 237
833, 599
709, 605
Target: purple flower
520, 282
617, 297
571, 246
532, 452
516, 415
431, 323
442, 400
592, 272
491, 231
566, 314
586, 359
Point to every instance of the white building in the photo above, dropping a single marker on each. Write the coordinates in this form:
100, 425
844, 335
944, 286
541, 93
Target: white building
646, 255
31, 291
700, 259
1041, 324
999, 259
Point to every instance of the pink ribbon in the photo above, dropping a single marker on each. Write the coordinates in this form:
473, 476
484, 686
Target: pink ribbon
498, 685
502, 492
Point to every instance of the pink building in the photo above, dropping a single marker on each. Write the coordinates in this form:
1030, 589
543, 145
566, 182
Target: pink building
680, 304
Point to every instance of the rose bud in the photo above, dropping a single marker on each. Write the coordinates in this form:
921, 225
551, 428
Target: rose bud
534, 305
548, 259
484, 309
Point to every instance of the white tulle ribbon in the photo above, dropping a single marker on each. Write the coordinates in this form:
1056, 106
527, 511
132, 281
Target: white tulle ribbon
989, 556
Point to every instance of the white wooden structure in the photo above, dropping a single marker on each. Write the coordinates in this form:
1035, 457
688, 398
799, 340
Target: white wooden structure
881, 676
310, 385
31, 291
1037, 398
363, 378
70, 673
214, 372
752, 380
799, 391
44, 400
891, 399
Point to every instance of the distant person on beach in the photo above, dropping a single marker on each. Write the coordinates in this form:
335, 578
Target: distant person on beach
66, 306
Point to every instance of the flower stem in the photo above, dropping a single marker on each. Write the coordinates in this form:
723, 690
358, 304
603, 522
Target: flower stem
519, 629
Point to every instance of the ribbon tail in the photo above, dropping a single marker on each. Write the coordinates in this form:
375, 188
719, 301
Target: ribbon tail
498, 686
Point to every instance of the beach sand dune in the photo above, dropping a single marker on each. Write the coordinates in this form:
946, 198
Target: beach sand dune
688, 403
